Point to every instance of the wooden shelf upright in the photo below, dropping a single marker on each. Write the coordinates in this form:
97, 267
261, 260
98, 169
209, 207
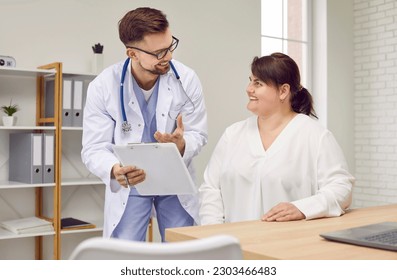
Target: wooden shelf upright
42, 120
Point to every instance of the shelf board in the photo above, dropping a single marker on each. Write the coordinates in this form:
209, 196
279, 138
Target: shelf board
17, 127
17, 185
87, 75
96, 229
73, 128
81, 181
6, 234
22, 72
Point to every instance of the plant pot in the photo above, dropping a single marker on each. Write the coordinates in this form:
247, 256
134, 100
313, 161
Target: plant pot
97, 63
9, 120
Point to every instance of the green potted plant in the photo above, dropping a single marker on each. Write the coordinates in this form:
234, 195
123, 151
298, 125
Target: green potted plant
9, 110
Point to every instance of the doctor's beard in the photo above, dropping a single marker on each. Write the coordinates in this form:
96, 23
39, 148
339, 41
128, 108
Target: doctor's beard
158, 69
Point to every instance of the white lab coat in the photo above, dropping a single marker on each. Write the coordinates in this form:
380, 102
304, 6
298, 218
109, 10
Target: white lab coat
102, 129
304, 165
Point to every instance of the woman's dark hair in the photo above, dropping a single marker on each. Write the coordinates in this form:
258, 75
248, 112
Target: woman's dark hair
278, 69
140, 22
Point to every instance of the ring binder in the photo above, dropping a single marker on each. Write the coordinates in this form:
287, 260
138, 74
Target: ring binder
77, 118
67, 102
48, 157
26, 157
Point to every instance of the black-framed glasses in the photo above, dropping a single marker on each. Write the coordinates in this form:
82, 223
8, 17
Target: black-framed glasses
161, 53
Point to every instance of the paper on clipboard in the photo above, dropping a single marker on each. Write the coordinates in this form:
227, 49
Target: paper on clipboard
166, 172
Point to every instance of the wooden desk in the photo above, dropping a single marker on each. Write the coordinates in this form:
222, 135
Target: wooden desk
297, 239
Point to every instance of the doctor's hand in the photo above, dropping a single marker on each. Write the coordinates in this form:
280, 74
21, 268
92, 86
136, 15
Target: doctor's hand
176, 137
128, 175
282, 212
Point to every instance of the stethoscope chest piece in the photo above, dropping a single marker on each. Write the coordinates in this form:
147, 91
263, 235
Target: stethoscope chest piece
126, 127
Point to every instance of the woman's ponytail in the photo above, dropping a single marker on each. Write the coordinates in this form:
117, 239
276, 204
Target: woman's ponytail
302, 102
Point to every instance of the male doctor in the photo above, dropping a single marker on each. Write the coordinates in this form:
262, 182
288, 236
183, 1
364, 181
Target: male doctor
157, 108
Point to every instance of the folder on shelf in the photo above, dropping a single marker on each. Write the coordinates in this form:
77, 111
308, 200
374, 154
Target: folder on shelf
72, 223
67, 102
27, 225
26, 157
48, 157
49, 94
78, 94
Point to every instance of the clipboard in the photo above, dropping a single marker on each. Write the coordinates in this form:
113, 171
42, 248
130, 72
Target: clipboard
166, 172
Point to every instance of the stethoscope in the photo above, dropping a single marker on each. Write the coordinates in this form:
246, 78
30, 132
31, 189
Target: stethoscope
126, 126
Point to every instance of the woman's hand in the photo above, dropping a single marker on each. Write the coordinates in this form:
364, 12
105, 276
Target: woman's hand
282, 212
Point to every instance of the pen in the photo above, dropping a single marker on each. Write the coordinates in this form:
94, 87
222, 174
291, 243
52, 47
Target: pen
125, 178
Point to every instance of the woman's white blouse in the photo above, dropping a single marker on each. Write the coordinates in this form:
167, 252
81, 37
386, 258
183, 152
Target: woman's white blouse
304, 165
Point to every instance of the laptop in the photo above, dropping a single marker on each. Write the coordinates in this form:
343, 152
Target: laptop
380, 236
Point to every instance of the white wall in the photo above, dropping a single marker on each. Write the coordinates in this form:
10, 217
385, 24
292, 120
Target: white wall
333, 74
333, 70
375, 64
340, 91
361, 69
217, 38
319, 59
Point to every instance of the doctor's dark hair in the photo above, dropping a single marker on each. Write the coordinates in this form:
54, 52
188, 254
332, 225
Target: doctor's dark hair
278, 69
139, 22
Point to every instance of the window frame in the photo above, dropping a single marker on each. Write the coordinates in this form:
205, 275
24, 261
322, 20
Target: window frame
306, 66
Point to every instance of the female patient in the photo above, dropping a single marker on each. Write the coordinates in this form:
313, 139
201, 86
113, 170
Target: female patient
280, 164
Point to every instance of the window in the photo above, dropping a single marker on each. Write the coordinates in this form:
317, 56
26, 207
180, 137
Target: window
285, 28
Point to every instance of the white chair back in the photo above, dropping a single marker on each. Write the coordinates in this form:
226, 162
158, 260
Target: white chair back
219, 247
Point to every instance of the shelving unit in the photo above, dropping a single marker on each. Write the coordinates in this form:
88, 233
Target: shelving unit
75, 192
74, 188
19, 200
